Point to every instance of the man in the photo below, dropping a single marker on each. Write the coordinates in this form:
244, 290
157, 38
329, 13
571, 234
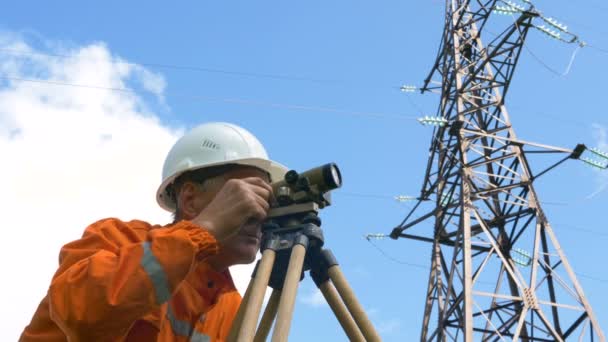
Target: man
133, 281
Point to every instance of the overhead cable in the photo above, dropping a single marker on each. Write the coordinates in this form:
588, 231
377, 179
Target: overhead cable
219, 71
220, 99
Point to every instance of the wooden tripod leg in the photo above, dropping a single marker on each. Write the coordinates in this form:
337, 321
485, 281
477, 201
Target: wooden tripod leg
337, 306
254, 303
238, 319
268, 317
353, 305
290, 288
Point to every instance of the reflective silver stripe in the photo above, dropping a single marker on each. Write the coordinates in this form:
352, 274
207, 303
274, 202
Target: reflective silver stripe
179, 327
198, 337
156, 273
183, 328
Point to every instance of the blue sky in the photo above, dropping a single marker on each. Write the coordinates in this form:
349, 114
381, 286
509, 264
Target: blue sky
318, 82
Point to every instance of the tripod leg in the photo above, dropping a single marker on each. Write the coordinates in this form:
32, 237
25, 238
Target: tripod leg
337, 306
268, 317
353, 304
238, 320
290, 288
254, 304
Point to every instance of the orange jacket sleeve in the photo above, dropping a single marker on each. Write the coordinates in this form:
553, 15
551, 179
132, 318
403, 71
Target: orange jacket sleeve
120, 271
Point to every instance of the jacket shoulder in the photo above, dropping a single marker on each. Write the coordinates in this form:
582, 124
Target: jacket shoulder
111, 228
106, 234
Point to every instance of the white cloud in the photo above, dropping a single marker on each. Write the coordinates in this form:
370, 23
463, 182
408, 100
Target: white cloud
390, 326
372, 312
314, 299
152, 82
383, 325
70, 156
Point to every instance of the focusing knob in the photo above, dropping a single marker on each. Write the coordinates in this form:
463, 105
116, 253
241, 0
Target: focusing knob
291, 177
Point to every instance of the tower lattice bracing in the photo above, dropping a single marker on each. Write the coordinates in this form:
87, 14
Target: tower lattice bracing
497, 269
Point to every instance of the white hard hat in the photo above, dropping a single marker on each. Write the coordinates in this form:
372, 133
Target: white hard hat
214, 144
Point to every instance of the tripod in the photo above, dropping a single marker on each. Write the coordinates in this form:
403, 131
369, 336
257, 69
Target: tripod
292, 244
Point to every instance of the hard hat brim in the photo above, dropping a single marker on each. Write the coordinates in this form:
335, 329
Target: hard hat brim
275, 170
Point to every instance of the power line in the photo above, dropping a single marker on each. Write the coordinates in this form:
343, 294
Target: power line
414, 104
592, 278
555, 30
179, 67
549, 68
398, 198
424, 267
589, 3
220, 99
213, 70
307, 108
602, 50
361, 195
57, 83
415, 265
580, 229
555, 35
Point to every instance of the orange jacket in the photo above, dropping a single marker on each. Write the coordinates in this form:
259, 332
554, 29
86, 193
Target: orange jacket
130, 281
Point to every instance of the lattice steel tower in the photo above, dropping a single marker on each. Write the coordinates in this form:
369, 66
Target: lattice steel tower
497, 269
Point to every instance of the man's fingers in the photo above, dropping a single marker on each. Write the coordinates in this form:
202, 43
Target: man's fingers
259, 212
259, 187
262, 193
258, 182
263, 203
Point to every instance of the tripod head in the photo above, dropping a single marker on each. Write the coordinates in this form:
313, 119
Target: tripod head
286, 227
294, 219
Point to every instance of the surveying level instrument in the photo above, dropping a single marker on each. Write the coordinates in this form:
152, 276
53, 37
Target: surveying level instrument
292, 243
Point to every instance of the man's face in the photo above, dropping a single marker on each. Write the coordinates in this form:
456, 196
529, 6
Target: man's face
242, 247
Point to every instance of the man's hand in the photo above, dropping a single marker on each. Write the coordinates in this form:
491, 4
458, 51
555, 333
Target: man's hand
238, 201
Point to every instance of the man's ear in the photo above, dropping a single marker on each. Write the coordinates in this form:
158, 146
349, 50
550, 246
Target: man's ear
187, 201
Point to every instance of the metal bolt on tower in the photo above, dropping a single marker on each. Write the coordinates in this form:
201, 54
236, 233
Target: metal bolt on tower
497, 269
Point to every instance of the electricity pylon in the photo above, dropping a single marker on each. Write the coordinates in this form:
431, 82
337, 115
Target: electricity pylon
497, 269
